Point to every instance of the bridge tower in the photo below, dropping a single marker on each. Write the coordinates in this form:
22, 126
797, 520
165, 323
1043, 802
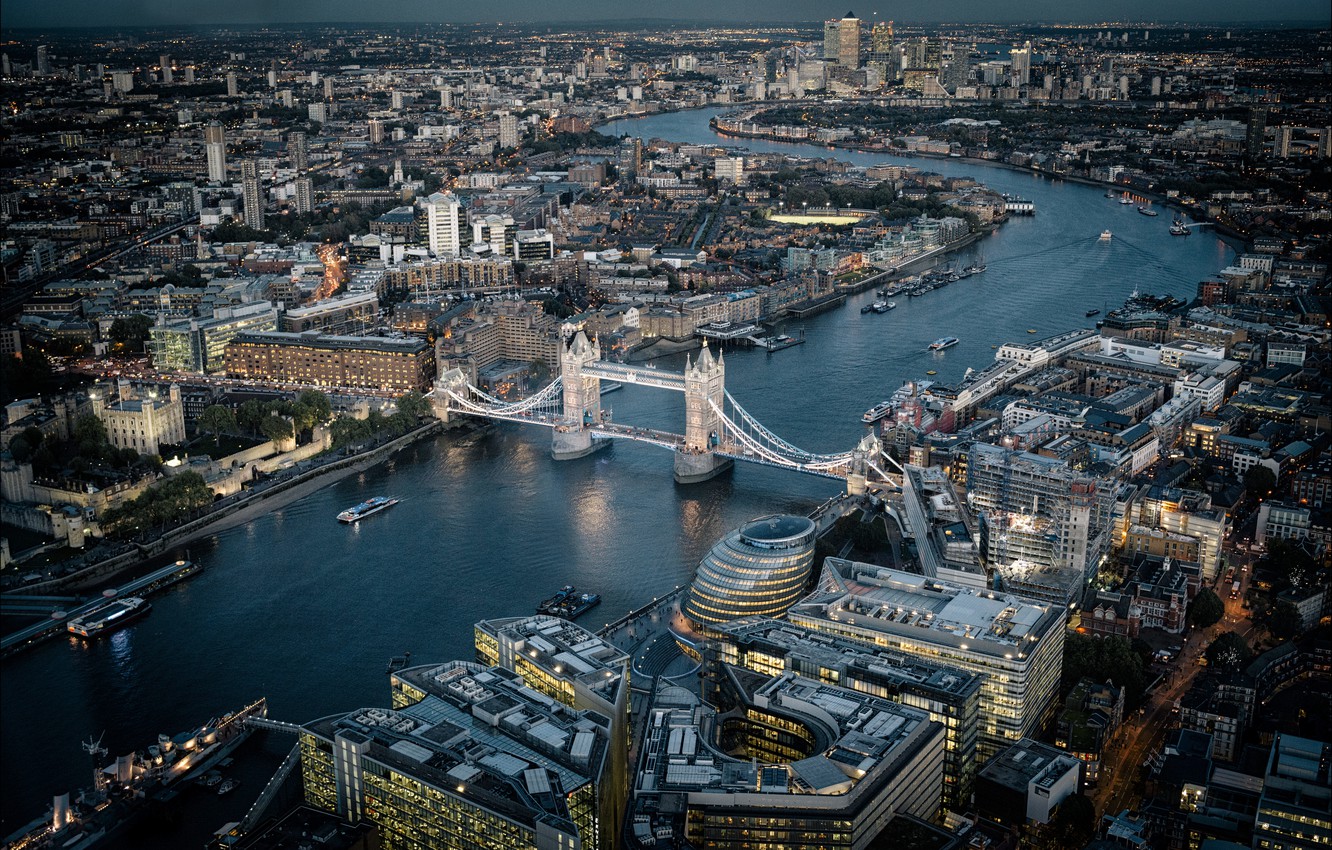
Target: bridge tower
857, 473
582, 401
705, 385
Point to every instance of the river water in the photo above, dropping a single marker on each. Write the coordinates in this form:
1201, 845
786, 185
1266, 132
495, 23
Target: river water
307, 611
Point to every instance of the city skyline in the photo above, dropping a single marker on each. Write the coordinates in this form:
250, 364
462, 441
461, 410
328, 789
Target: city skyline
22, 14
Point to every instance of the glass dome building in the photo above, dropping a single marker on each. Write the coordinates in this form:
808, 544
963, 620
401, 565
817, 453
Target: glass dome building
760, 568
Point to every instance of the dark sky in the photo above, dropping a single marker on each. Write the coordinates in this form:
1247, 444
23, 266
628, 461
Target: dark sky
43, 13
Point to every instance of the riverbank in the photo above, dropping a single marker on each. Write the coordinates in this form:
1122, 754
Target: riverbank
228, 514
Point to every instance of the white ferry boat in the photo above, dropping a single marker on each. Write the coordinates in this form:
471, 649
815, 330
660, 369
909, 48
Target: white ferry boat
1105, 236
364, 509
944, 342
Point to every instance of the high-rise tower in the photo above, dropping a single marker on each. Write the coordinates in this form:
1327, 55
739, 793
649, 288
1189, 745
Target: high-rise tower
841, 41
215, 144
252, 194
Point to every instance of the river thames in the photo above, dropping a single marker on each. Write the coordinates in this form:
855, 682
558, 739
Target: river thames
306, 611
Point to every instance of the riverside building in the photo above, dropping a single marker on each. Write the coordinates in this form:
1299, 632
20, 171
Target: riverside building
760, 568
1015, 645
786, 762
949, 695
467, 757
313, 359
573, 666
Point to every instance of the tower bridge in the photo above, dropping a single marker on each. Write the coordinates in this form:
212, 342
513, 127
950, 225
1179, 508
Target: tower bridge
717, 430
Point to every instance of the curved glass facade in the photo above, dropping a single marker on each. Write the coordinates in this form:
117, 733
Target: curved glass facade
760, 568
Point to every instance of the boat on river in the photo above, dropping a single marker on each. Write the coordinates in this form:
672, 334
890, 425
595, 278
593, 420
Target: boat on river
373, 505
105, 619
944, 342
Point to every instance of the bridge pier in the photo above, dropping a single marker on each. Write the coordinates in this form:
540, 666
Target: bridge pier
573, 444
694, 467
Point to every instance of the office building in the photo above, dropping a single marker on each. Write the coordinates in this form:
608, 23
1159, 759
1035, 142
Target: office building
319, 360
252, 195
517, 331
495, 231
576, 668
466, 757
215, 146
786, 762
1045, 527
444, 224
730, 168
841, 41
141, 421
1017, 645
949, 695
881, 51
762, 567
536, 244
298, 150
337, 315
199, 345
1295, 810
1022, 787
1254, 137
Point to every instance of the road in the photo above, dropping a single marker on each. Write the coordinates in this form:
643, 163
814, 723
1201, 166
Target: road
1142, 734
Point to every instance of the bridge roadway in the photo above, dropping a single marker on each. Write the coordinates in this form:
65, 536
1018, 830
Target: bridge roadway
635, 375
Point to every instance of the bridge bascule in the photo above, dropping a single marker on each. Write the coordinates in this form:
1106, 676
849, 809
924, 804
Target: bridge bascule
717, 430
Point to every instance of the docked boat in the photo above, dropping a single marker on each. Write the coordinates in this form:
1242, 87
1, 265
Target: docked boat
1147, 211
128, 788
867, 308
944, 342
370, 506
227, 787
1179, 228
1091, 313
558, 599
882, 306
1126, 200
109, 617
877, 412
568, 603
976, 268
1105, 236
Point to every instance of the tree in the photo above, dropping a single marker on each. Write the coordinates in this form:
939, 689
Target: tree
1229, 651
318, 402
1102, 658
1281, 620
130, 331
1206, 609
1074, 822
217, 420
250, 415
1259, 481
276, 429
414, 406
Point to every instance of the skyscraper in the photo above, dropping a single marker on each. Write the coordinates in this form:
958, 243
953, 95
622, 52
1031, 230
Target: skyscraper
1284, 134
164, 64
232, 88
881, 50
298, 151
841, 41
304, 195
43, 60
1021, 64
444, 219
215, 143
508, 130
376, 131
252, 195
1257, 129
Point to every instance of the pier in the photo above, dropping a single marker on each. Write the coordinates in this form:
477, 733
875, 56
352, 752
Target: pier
37, 632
